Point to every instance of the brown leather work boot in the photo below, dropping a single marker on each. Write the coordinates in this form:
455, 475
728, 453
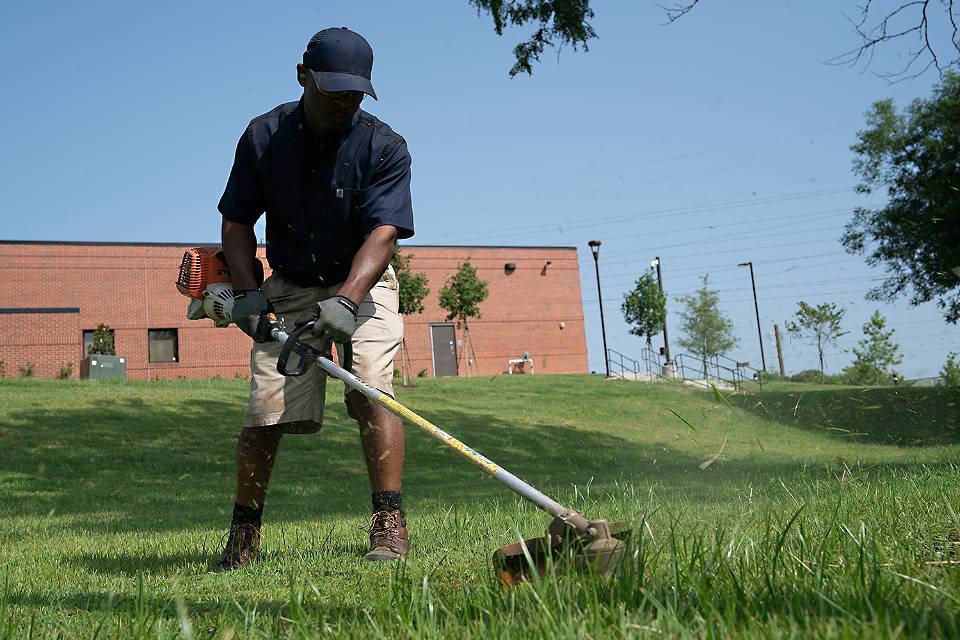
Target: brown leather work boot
242, 546
388, 537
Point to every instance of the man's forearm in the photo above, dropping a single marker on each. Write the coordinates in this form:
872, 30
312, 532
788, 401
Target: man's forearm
240, 248
369, 263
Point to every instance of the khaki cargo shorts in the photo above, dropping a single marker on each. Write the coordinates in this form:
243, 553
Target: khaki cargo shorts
295, 404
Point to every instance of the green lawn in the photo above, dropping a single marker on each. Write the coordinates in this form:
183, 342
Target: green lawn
799, 511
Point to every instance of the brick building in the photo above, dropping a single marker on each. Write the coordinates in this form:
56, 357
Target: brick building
55, 293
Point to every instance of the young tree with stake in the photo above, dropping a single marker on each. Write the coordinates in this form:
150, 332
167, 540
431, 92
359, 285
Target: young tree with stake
818, 325
708, 331
412, 290
876, 355
645, 308
461, 296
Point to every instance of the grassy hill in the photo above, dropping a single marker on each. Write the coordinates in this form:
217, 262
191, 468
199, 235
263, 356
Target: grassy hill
801, 509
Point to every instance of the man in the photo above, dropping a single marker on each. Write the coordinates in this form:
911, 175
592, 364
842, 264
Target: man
334, 183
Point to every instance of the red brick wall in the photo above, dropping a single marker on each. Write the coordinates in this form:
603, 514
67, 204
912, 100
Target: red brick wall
130, 287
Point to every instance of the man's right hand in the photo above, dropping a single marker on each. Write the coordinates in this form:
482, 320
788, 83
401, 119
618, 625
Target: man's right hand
248, 306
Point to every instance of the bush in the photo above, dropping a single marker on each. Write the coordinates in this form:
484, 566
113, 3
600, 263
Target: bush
102, 342
26, 370
813, 375
950, 372
3, 369
66, 371
864, 374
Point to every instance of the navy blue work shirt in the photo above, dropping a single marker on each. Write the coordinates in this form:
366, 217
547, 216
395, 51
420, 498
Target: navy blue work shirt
320, 200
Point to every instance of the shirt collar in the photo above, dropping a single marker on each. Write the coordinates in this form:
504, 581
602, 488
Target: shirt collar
303, 132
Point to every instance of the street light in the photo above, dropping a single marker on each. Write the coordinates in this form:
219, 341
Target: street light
595, 249
655, 264
756, 308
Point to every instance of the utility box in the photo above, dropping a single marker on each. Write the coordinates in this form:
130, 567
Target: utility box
100, 367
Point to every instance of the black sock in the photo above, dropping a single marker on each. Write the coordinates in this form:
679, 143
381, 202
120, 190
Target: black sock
247, 515
388, 501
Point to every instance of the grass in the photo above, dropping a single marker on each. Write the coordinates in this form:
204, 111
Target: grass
801, 511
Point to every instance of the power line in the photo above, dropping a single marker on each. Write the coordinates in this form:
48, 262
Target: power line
593, 222
681, 156
577, 194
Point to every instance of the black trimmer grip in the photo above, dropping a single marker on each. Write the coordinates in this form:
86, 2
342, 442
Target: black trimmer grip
307, 354
347, 356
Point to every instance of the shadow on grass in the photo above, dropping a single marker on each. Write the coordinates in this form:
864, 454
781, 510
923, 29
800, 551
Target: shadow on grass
904, 416
136, 467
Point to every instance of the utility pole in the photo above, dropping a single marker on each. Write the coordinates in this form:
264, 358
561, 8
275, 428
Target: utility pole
666, 341
763, 358
776, 334
595, 249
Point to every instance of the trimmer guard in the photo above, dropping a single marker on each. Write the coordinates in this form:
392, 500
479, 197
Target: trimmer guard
598, 551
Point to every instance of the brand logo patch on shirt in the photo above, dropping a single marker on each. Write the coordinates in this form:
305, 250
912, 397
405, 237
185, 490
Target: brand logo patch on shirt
340, 193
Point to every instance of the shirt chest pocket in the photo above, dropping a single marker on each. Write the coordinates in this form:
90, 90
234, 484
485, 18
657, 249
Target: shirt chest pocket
341, 207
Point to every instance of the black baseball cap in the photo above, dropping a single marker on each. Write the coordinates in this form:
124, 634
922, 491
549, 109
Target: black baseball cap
340, 60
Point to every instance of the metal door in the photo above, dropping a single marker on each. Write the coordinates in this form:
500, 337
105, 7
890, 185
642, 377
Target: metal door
443, 339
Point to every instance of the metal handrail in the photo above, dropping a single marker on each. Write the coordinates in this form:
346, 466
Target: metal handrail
615, 357
713, 370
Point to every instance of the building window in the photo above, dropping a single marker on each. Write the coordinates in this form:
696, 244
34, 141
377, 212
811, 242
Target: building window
88, 340
163, 345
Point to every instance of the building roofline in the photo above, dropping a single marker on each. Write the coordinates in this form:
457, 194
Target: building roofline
211, 243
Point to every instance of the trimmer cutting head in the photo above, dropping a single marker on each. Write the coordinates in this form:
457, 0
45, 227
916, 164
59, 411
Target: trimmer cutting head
598, 548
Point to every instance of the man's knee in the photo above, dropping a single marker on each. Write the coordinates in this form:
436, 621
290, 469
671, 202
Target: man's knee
359, 407
262, 438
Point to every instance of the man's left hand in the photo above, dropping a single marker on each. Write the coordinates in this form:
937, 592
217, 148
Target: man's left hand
335, 319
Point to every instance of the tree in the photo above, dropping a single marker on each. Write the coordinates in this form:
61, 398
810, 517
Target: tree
708, 331
876, 354
412, 289
819, 325
880, 24
102, 342
951, 371
563, 21
461, 296
567, 21
912, 157
645, 308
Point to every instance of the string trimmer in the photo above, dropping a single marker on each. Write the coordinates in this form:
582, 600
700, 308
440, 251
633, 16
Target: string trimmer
572, 540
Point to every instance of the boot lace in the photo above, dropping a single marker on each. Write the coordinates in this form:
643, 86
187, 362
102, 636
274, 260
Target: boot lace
385, 528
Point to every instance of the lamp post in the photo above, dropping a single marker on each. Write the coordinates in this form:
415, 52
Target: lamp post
595, 249
756, 308
666, 342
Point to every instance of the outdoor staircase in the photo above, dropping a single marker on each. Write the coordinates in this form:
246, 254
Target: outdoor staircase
718, 372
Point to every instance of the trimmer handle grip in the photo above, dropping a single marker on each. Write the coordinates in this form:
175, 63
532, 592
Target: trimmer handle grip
307, 354
347, 356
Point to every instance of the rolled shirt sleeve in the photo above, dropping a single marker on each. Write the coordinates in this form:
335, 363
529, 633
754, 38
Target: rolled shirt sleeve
387, 200
242, 199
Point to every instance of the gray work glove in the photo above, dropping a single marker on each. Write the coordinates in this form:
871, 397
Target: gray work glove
336, 319
248, 306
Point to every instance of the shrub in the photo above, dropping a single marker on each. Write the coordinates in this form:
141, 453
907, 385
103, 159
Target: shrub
102, 342
3, 369
865, 374
767, 376
26, 370
951, 371
813, 375
66, 371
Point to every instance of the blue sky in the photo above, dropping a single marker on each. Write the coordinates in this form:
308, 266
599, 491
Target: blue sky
719, 139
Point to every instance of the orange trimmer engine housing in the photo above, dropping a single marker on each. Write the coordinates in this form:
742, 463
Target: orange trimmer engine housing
200, 267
